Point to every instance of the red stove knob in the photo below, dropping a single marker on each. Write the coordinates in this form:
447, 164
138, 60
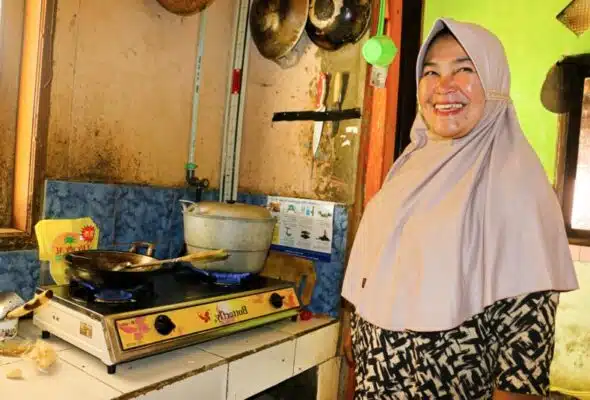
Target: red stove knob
164, 325
276, 300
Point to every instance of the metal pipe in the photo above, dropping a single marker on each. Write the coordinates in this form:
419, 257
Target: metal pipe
190, 166
227, 113
241, 106
197, 86
233, 114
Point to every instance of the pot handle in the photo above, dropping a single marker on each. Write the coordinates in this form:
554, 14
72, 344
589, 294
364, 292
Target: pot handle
137, 245
186, 204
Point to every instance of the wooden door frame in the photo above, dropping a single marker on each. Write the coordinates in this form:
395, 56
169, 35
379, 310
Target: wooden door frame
388, 114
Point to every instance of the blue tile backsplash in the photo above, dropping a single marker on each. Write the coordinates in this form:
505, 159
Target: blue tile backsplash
329, 275
19, 272
128, 213
143, 214
80, 199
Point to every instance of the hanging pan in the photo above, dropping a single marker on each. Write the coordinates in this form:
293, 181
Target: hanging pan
556, 92
185, 7
561, 91
334, 23
278, 29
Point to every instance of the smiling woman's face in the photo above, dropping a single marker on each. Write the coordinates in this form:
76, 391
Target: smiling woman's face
450, 93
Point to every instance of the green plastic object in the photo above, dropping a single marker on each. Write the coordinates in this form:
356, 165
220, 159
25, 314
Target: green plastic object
380, 50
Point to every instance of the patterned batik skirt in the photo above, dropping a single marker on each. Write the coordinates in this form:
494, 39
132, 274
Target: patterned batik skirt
509, 347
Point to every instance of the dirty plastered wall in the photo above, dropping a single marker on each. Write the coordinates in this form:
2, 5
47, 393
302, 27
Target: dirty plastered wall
122, 91
276, 158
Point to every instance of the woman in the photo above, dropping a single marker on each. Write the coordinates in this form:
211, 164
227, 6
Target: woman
457, 263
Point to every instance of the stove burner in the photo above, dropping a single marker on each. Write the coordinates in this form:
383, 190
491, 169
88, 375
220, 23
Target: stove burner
114, 296
228, 278
86, 292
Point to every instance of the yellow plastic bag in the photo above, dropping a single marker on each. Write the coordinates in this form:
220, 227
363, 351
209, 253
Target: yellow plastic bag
57, 237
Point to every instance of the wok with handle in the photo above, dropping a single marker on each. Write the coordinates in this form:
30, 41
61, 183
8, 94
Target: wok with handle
124, 269
335, 23
185, 7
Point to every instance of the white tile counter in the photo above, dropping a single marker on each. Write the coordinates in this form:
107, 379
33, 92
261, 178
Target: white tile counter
230, 368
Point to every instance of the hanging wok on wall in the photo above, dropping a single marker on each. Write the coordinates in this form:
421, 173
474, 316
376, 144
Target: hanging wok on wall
185, 7
561, 89
278, 29
333, 23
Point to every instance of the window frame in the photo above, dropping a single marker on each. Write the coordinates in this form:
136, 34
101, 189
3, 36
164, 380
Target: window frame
575, 69
32, 125
11, 39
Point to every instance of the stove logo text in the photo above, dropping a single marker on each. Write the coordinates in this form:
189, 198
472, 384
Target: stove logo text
226, 316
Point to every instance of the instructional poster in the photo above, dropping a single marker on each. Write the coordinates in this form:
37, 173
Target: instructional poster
303, 228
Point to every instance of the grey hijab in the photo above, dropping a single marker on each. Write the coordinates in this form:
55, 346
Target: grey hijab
463, 223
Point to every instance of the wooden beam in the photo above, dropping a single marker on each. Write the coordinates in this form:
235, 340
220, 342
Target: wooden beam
380, 121
394, 29
384, 111
367, 123
364, 144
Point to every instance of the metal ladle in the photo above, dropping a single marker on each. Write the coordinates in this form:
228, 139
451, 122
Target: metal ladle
208, 255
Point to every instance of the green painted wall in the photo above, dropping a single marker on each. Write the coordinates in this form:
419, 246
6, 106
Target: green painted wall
534, 39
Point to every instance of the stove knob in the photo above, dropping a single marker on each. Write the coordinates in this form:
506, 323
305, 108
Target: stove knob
164, 325
276, 300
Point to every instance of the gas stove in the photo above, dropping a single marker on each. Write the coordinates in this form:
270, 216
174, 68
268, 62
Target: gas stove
173, 310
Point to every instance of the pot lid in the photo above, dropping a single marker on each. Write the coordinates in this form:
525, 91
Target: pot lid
230, 210
277, 25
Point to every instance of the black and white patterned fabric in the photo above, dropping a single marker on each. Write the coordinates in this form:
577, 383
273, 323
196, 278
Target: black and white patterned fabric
508, 347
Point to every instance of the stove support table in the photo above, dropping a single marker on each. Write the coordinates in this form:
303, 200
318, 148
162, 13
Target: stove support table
234, 367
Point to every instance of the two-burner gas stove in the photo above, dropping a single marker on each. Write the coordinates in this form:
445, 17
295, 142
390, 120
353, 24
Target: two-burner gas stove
173, 311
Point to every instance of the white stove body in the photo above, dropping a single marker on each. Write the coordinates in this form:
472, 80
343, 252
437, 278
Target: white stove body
76, 328
137, 333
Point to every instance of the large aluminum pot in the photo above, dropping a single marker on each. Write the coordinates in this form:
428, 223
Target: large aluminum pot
244, 231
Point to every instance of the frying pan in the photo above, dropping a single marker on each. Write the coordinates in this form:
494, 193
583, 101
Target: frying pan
278, 29
334, 23
95, 267
185, 7
560, 89
556, 90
